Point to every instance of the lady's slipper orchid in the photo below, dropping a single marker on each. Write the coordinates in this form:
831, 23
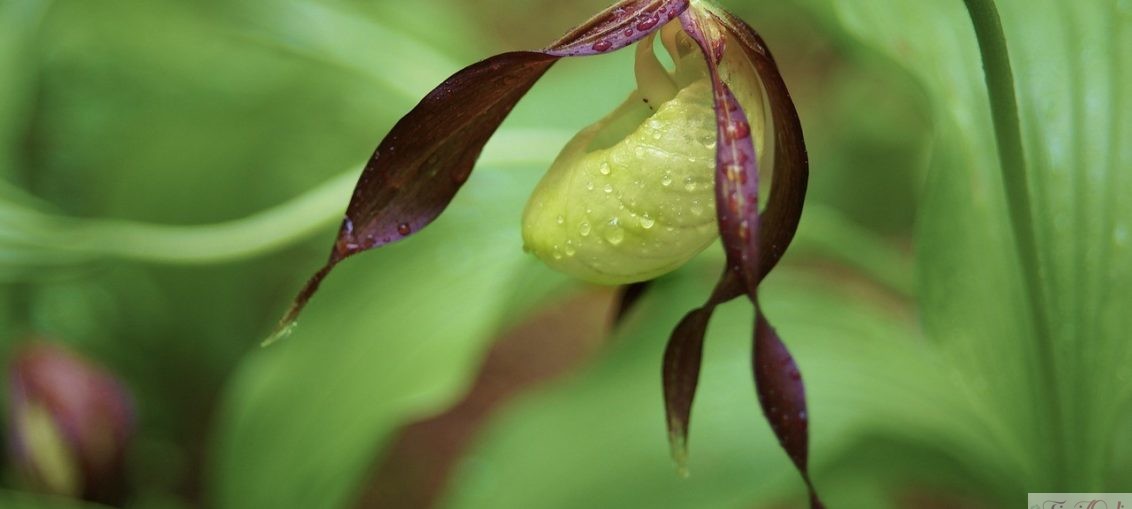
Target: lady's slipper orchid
628, 199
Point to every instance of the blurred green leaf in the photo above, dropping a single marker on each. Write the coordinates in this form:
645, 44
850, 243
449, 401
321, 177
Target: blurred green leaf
392, 335
1059, 397
598, 439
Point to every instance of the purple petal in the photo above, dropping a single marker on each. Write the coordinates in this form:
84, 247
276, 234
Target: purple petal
782, 396
681, 369
778, 381
618, 26
791, 163
427, 156
736, 164
681, 374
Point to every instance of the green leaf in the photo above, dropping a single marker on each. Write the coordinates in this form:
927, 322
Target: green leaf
1058, 393
393, 335
598, 439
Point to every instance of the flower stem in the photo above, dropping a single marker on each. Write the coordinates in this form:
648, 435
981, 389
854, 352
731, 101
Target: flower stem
1008, 135
44, 236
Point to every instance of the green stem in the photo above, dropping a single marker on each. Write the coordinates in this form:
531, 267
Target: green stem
1008, 135
40, 237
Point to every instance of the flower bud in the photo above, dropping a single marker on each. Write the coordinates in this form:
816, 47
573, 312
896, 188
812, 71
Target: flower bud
69, 423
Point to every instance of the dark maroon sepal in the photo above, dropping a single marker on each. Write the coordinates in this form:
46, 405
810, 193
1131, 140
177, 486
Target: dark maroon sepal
429, 154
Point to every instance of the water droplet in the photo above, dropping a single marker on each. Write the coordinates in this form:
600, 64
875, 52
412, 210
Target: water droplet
404, 229
697, 208
555, 252
689, 183
647, 21
589, 186
608, 188
613, 232
584, 229
570, 251
666, 180
647, 222
602, 45
560, 219
604, 168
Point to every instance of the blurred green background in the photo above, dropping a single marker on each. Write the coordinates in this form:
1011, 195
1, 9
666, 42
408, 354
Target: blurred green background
173, 171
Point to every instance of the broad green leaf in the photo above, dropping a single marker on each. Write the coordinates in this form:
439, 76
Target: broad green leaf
1060, 396
392, 335
597, 439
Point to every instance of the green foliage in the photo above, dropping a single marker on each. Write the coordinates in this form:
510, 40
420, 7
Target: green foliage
172, 171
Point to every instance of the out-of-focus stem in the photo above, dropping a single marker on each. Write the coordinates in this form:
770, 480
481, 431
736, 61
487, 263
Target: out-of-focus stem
1008, 135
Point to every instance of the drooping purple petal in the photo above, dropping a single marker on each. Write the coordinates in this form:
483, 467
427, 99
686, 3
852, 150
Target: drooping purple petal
428, 155
417, 169
791, 168
736, 164
680, 372
778, 381
782, 396
618, 26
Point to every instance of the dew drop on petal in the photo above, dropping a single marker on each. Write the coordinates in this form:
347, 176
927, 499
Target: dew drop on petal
602, 45
614, 235
666, 180
608, 188
560, 219
689, 183
604, 169
647, 222
404, 229
584, 229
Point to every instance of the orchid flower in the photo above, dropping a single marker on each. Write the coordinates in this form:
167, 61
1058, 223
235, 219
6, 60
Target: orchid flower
629, 198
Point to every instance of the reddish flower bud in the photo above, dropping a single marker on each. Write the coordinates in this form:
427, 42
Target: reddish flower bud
70, 422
